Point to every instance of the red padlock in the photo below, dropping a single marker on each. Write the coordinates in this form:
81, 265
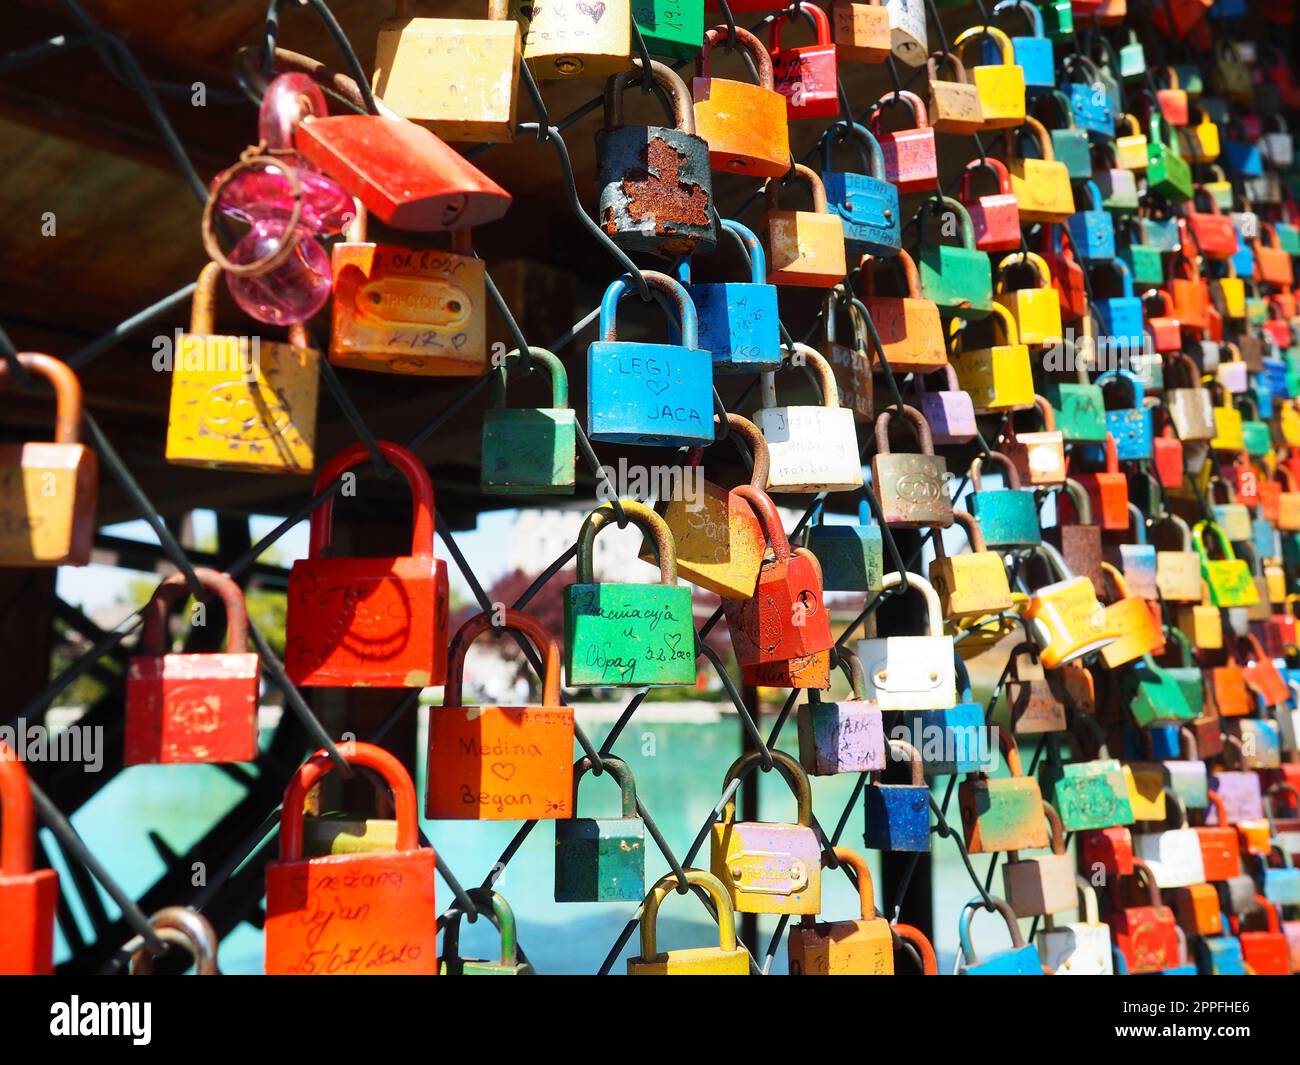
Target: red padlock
1107, 490
1165, 329
910, 160
807, 76
28, 897
1267, 953
786, 617
373, 622
362, 914
1147, 936
1211, 230
183, 708
1108, 850
1167, 453
1067, 274
995, 216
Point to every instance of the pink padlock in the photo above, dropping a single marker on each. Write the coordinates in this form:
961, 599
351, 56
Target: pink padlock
995, 216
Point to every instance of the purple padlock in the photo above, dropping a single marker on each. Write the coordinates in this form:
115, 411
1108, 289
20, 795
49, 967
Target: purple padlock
842, 737
1241, 795
950, 413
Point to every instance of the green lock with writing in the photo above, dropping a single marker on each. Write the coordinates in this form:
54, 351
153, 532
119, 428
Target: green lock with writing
1229, 577
1088, 795
672, 28
957, 277
627, 635
501, 915
529, 451
602, 859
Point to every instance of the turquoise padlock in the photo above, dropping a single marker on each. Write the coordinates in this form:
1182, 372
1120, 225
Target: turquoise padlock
1008, 517
958, 278
1132, 58
739, 322
1130, 425
1020, 960
1092, 229
1069, 142
1033, 54
1221, 955
653, 394
1282, 886
1163, 234
1138, 559
866, 203
852, 557
951, 741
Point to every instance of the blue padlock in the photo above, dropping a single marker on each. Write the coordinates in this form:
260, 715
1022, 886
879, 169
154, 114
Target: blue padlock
655, 394
1166, 742
1220, 955
952, 741
866, 203
1093, 229
1243, 261
898, 815
1244, 158
1263, 537
1120, 317
1020, 960
1008, 517
1163, 234
1033, 53
1273, 377
1282, 886
739, 322
851, 556
1227, 9
1088, 97
1131, 426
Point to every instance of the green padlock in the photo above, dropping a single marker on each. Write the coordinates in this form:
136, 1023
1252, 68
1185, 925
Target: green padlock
504, 918
1257, 435
1132, 58
1229, 577
529, 451
1087, 794
601, 859
1080, 407
1008, 517
1188, 674
1069, 142
1153, 694
852, 557
1145, 261
958, 278
1168, 173
1058, 19
668, 27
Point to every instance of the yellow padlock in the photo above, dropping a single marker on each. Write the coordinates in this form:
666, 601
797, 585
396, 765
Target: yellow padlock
1178, 571
1130, 147
1202, 623
1231, 292
575, 38
804, 247
458, 77
1146, 792
1289, 419
1042, 186
1288, 502
1200, 139
240, 402
971, 584
1139, 630
998, 377
1001, 85
1228, 432
1275, 581
1037, 308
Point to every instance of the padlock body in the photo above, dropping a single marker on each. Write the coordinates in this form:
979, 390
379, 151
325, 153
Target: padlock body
1080, 411
500, 763
692, 961
368, 622
1002, 814
1088, 795
1039, 458
910, 331
909, 672
654, 394
1266, 953
842, 948
739, 326
950, 741
1008, 517
1174, 857
29, 902
1002, 94
860, 32
1037, 313
47, 504
764, 627
852, 557
998, 378
868, 210
808, 78
600, 859
1020, 962
811, 449
958, 280
1077, 949
1147, 938
842, 737
1220, 956
745, 126
972, 584
1071, 148
1041, 885
669, 27
805, 248
996, 220
897, 817
912, 490
183, 708
1043, 190
1196, 908
720, 543
1093, 234
626, 635
571, 38
1220, 853
528, 451
910, 160
951, 417
767, 867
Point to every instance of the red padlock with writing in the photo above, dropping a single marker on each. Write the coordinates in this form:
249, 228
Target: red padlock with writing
910, 160
28, 897
995, 215
808, 75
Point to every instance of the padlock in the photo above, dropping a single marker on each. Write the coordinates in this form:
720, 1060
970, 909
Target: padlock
1007, 516
1129, 425
1145, 936
951, 741
1079, 540
180, 926
1232, 514
642, 393
911, 672
384, 900
745, 125
804, 248
503, 916
949, 412
1020, 960
1088, 795
1190, 296
768, 867
811, 448
1196, 908
1033, 706
862, 947
1065, 614
601, 859
1002, 813
1190, 406
477, 768
998, 377
908, 327
1200, 138
406, 310
1240, 791
867, 204
1120, 317
1108, 850
910, 160
1091, 229
860, 31
1130, 147
1139, 629
1243, 156
1043, 885
1228, 577
470, 93
30, 897
1069, 142
570, 38
1033, 52
1144, 260
1035, 308
1202, 623
1178, 572
1227, 687
1276, 146
371, 622
529, 451
994, 216
1272, 263
954, 101
1172, 99
48, 490
1000, 80
1155, 694
189, 708
851, 556
726, 959
1107, 489
1138, 559
909, 41
1261, 741
1266, 953
958, 278
971, 584
911, 488
846, 736
786, 617
1079, 948
1079, 408
1174, 854
238, 403
1228, 432
851, 363
1164, 328
1211, 229
655, 188
602, 648
669, 27
1263, 680
1116, 185
1088, 97
1168, 173
807, 76
898, 815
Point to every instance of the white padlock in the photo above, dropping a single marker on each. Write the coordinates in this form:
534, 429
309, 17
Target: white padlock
911, 672
1081, 948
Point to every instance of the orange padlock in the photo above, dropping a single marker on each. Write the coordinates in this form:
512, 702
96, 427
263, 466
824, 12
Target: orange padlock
28, 897
909, 327
745, 125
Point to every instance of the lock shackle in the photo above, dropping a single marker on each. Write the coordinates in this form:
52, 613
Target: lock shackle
1003, 317
987, 162
746, 41
1063, 109
1088, 894
949, 375
1021, 260
974, 535
751, 244
651, 524
825, 376
554, 367
183, 927
320, 765
67, 391
1033, 17
1079, 497
17, 819
910, 277
406, 463
1175, 801
918, 422
1128, 377
866, 886
1270, 913
1238, 752
986, 32
1007, 745
842, 132
1272, 795
1137, 522
1094, 196
1056, 827
622, 774
1185, 362
748, 432
683, 110
1077, 62
821, 24
968, 912
153, 640
516, 621
790, 769
1198, 541
799, 173
1045, 412
668, 885
851, 665
936, 206
1144, 872
918, 583
939, 60
1187, 655
912, 755
662, 283
920, 120
499, 912
1009, 471
203, 305
929, 960
1117, 578
766, 513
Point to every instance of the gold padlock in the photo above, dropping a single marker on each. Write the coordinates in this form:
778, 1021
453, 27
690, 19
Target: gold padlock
804, 247
971, 584
1001, 85
955, 102
575, 38
1178, 572
1130, 147
998, 377
1202, 623
1037, 308
1042, 186
241, 402
1139, 629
